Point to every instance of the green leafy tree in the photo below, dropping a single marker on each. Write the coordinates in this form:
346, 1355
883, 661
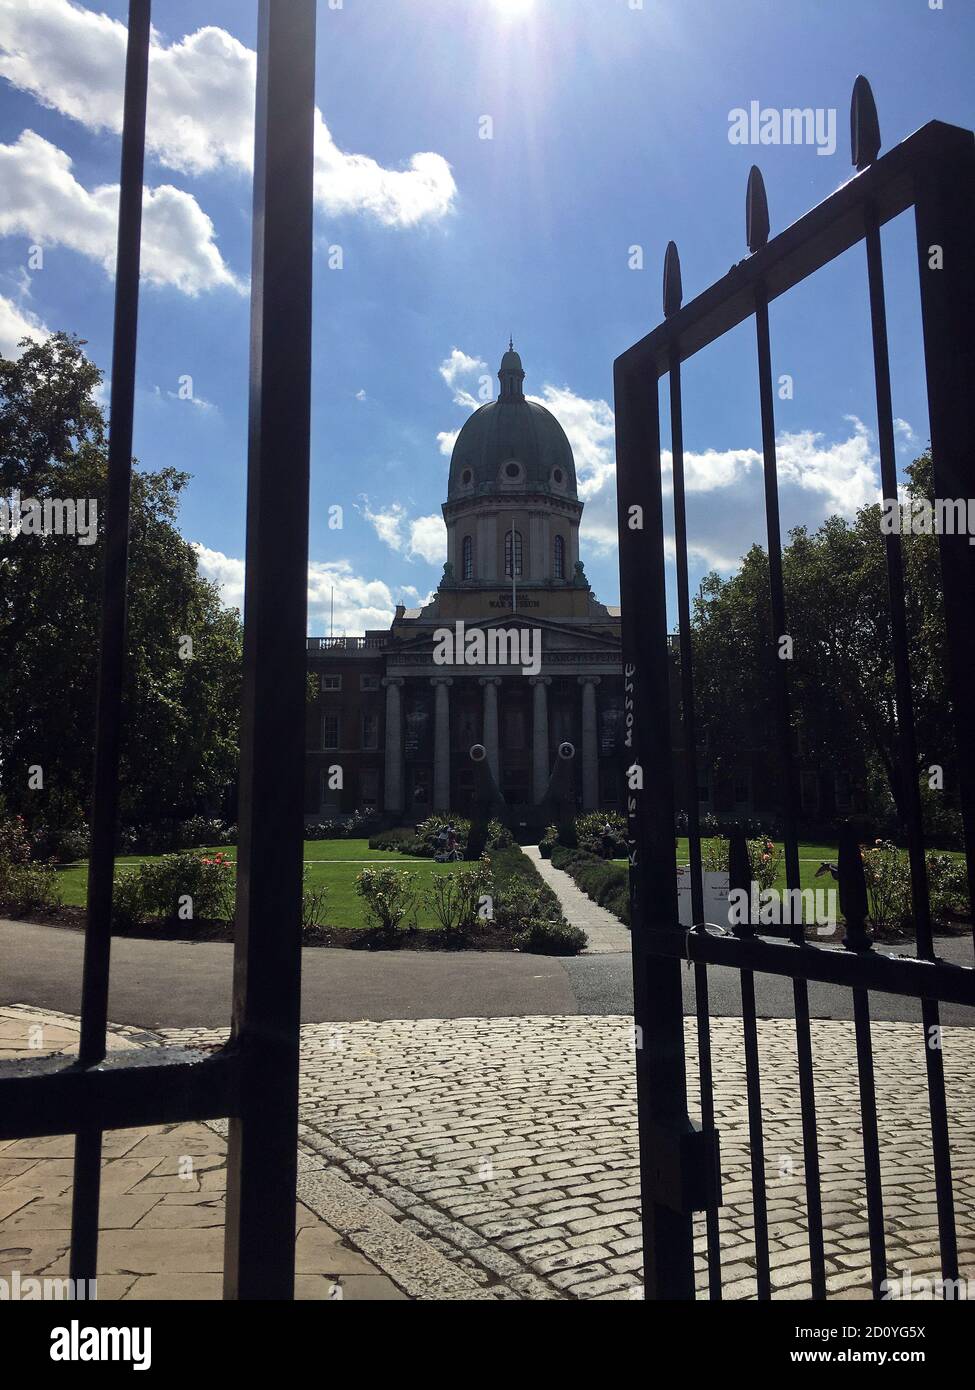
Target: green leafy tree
180, 714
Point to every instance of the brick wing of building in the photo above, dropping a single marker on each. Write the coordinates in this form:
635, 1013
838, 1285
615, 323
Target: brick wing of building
399, 721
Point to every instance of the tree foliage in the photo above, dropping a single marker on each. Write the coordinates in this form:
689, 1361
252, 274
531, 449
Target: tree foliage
180, 716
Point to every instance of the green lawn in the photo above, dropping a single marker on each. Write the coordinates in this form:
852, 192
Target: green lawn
326, 863
810, 858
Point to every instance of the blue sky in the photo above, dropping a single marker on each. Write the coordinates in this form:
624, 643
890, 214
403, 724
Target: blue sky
610, 130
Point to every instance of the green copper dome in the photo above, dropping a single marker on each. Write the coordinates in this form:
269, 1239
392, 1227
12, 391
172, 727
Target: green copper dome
512, 445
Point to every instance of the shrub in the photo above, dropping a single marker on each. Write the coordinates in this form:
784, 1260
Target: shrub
14, 850
948, 888
606, 883
888, 886
389, 896
313, 907
456, 898
176, 887
764, 856
519, 903
203, 830
499, 836
541, 938
401, 839
510, 868
32, 887
426, 842
548, 841
590, 834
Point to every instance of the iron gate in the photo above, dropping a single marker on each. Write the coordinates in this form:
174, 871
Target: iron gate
934, 172
253, 1081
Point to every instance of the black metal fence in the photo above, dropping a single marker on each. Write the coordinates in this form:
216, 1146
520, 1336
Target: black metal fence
253, 1081
932, 172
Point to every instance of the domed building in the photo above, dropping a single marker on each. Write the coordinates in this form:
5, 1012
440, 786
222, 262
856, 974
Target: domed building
514, 651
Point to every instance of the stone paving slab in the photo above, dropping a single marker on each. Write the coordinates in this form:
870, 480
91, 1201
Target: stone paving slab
162, 1206
509, 1146
606, 933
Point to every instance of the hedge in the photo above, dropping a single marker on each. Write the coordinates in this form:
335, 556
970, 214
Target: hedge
600, 879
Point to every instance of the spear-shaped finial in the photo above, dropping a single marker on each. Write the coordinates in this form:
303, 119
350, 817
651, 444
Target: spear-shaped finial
756, 211
864, 125
673, 289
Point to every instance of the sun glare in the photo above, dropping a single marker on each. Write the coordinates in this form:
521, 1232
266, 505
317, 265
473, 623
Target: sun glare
514, 9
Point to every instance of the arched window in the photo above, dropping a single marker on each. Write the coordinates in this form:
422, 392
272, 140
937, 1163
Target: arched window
559, 558
468, 567
516, 572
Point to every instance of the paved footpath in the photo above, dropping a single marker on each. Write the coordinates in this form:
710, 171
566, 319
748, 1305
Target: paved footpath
605, 931
508, 1146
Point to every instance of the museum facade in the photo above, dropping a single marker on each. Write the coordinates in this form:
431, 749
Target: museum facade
513, 652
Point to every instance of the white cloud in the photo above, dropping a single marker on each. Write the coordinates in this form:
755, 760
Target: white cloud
422, 537
446, 440
455, 368
358, 603
201, 106
44, 202
16, 323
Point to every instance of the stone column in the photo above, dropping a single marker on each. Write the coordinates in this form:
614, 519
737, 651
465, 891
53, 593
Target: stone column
590, 743
441, 743
540, 765
393, 784
490, 738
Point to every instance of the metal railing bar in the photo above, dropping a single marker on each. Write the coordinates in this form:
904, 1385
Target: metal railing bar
944, 215
104, 815
790, 799
259, 1251
907, 746
883, 974
689, 733
43, 1096
871, 1142
756, 1137
657, 992
810, 243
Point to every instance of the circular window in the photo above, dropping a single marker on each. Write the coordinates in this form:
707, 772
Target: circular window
467, 477
512, 470
558, 475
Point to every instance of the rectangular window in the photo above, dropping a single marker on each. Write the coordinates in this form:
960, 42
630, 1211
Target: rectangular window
331, 682
809, 791
330, 731
743, 788
703, 786
369, 789
844, 791
368, 682
370, 730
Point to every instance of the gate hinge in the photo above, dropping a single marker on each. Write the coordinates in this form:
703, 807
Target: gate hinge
684, 1167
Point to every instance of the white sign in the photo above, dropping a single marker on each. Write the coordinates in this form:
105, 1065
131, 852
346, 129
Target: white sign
715, 898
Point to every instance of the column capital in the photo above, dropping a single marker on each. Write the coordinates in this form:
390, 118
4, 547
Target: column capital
393, 680
540, 680
589, 680
489, 680
441, 680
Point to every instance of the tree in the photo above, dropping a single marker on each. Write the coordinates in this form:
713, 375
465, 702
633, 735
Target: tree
180, 711
841, 675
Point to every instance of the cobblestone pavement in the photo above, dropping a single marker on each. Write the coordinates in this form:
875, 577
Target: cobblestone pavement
510, 1146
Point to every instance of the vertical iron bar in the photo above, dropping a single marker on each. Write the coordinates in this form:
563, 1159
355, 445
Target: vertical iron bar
701, 1000
262, 1153
111, 660
944, 217
658, 1003
871, 1142
907, 750
739, 880
800, 989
